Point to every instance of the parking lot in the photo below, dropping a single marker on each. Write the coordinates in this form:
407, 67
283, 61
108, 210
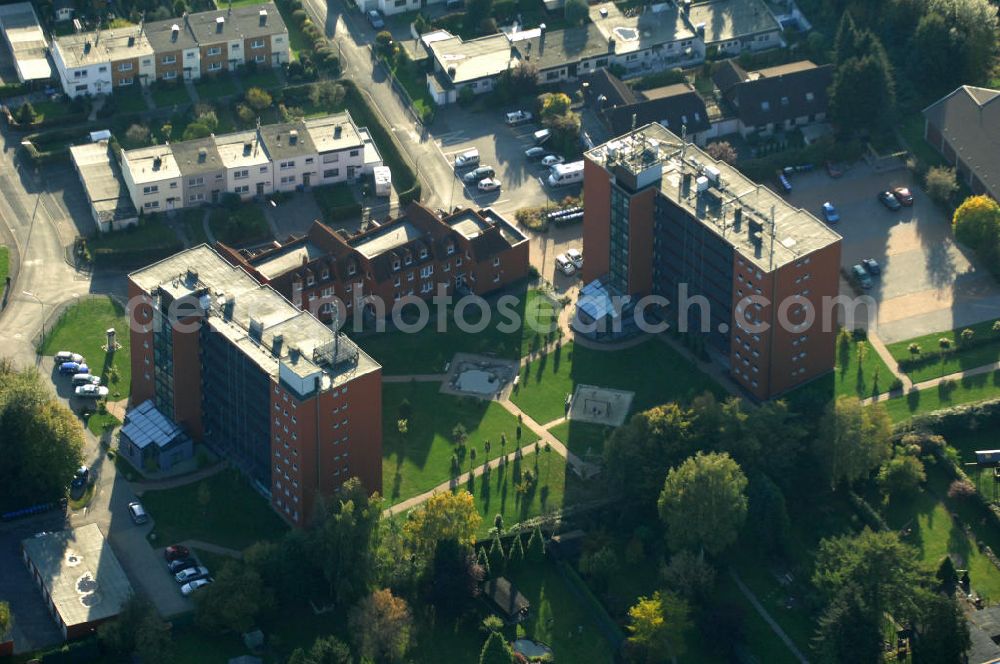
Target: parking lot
456, 130
928, 283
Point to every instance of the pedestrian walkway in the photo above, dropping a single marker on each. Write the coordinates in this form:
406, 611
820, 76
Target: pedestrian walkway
775, 627
890, 361
142, 486
212, 548
207, 227
934, 382
96, 107
415, 378
192, 91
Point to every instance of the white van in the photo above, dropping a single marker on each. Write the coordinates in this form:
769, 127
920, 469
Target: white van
467, 159
565, 174
541, 136
565, 265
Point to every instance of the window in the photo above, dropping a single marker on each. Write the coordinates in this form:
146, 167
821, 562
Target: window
196, 197
102, 70
551, 76
169, 75
458, 262
309, 160
426, 271
325, 274
260, 59
152, 205
168, 60
395, 282
331, 158
263, 169
496, 261
239, 175
354, 153
81, 74
257, 43
214, 50
810, 96
784, 101
125, 66
451, 249
286, 165
288, 179
125, 81
328, 292
331, 173
196, 182
765, 106
81, 88
150, 189
408, 260
395, 264
423, 252
235, 47
242, 189
352, 268
409, 276
310, 280
214, 66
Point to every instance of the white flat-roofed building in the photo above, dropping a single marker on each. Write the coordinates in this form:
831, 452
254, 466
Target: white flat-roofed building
82, 581
339, 148
26, 41
248, 165
92, 63
110, 204
153, 178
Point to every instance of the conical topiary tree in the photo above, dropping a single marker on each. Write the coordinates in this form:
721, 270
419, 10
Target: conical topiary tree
535, 553
496, 650
497, 557
515, 555
484, 561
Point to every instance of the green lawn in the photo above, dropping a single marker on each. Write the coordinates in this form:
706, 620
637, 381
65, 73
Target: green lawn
966, 390
421, 460
4, 264
50, 110
912, 129
758, 637
97, 421
192, 219
936, 534
297, 41
212, 87
413, 78
236, 516
129, 99
875, 377
245, 225
959, 359
135, 246
428, 351
582, 438
262, 77
81, 329
653, 370
165, 94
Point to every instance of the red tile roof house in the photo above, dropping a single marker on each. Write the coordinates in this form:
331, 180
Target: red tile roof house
964, 127
468, 251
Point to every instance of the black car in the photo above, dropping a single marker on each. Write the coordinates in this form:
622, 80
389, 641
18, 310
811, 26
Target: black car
887, 199
181, 564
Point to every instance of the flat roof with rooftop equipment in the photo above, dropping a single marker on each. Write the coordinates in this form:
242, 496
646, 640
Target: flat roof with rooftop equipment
760, 224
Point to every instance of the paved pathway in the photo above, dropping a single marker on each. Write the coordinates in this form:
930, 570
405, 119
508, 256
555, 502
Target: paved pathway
207, 226
934, 382
142, 486
876, 342
212, 548
766, 616
419, 378
192, 91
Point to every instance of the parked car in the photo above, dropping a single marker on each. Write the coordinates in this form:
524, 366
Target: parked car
78, 486
534, 153
575, 257
85, 379
887, 199
541, 136
489, 184
181, 564
859, 273
872, 266
478, 174
375, 19
73, 368
565, 265
137, 512
515, 118
552, 160
191, 574
68, 356
189, 588
784, 183
830, 213
91, 391
467, 159
903, 195
176, 552
833, 169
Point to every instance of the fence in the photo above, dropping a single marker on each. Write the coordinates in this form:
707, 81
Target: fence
58, 312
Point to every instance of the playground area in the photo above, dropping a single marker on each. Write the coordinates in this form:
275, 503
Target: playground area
479, 376
600, 405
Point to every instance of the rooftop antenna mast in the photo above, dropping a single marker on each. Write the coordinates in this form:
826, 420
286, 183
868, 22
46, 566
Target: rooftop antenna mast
771, 257
684, 143
256, 143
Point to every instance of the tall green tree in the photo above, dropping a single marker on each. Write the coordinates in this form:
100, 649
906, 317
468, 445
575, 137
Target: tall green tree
768, 515
853, 440
850, 629
382, 627
496, 650
324, 650
235, 601
455, 576
867, 77
42, 441
657, 627
942, 631
704, 503
443, 516
343, 545
974, 25
139, 631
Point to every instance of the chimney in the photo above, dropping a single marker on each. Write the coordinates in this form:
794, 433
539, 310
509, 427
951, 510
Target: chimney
202, 155
337, 131
263, 17
737, 219
131, 40
157, 162
247, 147
86, 47
220, 23
293, 137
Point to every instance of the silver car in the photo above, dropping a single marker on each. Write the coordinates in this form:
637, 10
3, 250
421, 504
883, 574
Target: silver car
191, 574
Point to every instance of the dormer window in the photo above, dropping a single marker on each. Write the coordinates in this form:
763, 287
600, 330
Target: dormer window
408, 260
423, 252
310, 280
395, 264
325, 273
451, 249
352, 268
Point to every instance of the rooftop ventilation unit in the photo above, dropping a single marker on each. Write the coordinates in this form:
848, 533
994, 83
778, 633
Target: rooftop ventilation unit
202, 155
247, 148
175, 31
131, 40
86, 47
293, 137
220, 23
192, 275
337, 131
157, 162
256, 329
702, 183
263, 17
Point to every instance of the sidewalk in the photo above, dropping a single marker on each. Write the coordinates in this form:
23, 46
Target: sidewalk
933, 382
142, 486
775, 627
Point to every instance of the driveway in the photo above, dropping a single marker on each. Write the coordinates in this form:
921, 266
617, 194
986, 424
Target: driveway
928, 282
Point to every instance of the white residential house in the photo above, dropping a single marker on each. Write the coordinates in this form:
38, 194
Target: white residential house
339, 146
390, 7
294, 158
248, 166
153, 178
92, 63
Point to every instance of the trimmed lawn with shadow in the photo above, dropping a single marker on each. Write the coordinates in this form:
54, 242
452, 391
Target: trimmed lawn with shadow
421, 459
428, 350
129, 99
945, 395
82, 329
582, 438
236, 516
874, 376
171, 95
960, 358
653, 370
4, 265
211, 87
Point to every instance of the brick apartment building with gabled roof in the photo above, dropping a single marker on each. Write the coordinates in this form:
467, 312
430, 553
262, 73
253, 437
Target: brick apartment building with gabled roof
466, 252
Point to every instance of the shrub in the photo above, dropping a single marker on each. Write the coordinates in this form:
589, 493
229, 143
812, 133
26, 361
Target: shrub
258, 99
961, 489
137, 134
26, 115
941, 183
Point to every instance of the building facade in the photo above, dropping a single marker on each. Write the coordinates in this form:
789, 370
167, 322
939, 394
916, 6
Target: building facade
727, 260
294, 405
183, 48
414, 255
964, 126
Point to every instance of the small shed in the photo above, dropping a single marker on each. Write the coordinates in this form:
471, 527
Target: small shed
512, 604
149, 438
383, 180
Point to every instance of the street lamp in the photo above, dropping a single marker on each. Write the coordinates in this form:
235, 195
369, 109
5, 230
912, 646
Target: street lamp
39, 301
